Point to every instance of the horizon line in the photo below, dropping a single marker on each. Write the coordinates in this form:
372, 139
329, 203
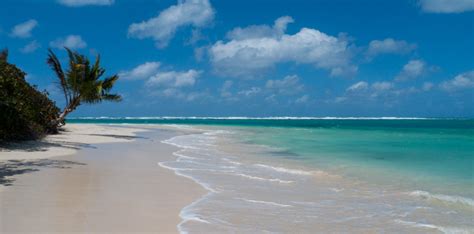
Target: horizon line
268, 118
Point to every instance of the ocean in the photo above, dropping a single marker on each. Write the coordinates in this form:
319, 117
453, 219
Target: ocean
324, 174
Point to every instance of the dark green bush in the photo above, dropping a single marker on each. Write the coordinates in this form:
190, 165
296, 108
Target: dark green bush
25, 112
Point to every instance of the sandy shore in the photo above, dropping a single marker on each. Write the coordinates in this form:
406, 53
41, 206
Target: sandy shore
111, 184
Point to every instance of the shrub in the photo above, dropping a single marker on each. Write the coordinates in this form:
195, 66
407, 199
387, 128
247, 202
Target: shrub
25, 112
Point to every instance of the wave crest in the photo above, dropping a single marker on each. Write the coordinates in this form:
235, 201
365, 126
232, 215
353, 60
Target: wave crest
444, 198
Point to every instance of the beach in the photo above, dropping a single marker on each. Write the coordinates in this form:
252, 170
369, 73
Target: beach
96, 179
192, 175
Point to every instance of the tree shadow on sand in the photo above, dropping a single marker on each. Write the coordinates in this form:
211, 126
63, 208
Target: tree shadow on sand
126, 137
17, 167
33, 146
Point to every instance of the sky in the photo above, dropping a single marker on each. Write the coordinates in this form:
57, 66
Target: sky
406, 58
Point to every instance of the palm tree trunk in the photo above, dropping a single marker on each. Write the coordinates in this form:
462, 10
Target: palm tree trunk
68, 109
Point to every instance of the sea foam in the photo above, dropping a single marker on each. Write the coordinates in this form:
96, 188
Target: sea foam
265, 202
264, 179
444, 198
450, 230
284, 170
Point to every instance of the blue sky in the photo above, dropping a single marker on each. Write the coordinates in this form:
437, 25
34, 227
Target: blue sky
259, 57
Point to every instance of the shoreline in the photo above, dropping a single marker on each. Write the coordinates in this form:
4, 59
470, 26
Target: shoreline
109, 182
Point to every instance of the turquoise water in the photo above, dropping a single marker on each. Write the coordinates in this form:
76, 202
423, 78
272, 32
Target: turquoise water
436, 159
436, 155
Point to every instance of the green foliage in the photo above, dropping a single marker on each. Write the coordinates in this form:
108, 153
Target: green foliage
82, 82
25, 112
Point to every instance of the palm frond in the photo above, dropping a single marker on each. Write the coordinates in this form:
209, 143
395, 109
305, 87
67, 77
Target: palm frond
55, 65
109, 82
112, 97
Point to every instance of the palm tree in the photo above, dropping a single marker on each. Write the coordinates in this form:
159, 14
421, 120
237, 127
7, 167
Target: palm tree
82, 82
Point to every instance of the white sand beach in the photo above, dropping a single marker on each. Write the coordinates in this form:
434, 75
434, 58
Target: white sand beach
93, 178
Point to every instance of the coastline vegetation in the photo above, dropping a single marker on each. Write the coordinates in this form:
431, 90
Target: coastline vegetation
27, 113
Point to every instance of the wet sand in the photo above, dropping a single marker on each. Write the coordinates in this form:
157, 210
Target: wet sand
107, 187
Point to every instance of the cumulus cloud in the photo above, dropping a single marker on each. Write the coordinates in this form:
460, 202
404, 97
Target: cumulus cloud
142, 71
460, 82
414, 69
286, 86
23, 30
80, 3
255, 48
389, 46
30, 47
70, 41
446, 6
259, 31
174, 79
195, 13
165, 83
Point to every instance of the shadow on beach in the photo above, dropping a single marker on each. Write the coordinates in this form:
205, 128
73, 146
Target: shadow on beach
17, 167
33, 146
10, 168
126, 137
43, 145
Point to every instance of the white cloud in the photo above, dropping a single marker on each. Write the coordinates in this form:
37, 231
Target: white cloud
389, 46
302, 99
364, 90
30, 47
150, 71
271, 99
250, 92
259, 31
70, 41
384, 91
80, 3
24, 29
460, 82
196, 35
260, 47
196, 13
180, 94
286, 86
446, 6
382, 86
361, 85
174, 79
166, 83
414, 69
142, 71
